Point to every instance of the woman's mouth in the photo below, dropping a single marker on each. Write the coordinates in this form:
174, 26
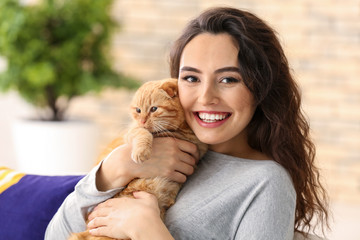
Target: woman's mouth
211, 119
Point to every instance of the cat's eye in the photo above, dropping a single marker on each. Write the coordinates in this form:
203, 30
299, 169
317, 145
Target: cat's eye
138, 110
153, 109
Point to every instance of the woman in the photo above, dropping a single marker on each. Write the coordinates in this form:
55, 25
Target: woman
258, 181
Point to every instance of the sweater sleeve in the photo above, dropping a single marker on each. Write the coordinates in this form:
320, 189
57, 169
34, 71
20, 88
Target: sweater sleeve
71, 216
271, 208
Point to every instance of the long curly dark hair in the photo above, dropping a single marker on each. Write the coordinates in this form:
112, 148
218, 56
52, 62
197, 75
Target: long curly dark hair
278, 127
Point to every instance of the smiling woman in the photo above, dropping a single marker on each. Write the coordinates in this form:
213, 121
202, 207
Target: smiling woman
277, 127
258, 181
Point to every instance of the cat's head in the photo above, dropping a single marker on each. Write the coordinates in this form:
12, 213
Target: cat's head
156, 106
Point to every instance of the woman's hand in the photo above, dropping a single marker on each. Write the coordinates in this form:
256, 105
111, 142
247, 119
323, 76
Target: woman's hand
171, 158
124, 218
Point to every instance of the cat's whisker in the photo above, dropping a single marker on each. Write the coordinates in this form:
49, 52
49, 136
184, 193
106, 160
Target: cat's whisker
167, 124
161, 128
167, 127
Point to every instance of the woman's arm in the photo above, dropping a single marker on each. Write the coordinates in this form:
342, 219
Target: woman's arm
136, 218
172, 158
71, 214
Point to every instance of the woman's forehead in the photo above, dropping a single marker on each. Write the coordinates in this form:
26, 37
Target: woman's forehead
210, 50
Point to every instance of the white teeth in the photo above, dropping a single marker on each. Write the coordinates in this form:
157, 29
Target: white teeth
206, 117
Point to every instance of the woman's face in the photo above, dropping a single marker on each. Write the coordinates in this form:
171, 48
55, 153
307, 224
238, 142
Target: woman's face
218, 106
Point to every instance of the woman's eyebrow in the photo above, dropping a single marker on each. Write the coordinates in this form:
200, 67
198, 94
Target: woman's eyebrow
190, 69
220, 70
227, 69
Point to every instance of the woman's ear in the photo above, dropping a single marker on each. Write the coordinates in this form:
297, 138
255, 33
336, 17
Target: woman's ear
170, 87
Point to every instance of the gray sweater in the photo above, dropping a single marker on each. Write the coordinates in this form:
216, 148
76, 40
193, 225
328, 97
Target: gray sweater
226, 198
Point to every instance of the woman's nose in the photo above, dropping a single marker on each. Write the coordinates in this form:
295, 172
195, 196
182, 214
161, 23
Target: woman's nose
208, 94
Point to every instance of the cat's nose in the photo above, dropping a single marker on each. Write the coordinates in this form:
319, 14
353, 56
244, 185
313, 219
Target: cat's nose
143, 121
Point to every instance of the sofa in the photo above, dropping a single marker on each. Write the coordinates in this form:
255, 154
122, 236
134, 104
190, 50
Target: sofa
28, 202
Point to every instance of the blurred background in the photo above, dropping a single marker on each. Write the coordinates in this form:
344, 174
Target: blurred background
322, 41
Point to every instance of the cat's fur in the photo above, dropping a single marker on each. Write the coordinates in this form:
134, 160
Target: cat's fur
157, 112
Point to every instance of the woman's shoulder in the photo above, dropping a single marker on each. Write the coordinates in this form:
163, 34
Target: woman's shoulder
272, 178
251, 171
269, 170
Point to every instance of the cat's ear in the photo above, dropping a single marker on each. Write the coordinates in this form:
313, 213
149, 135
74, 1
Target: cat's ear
170, 87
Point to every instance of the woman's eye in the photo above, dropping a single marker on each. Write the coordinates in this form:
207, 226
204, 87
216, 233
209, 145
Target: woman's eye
190, 79
153, 109
229, 80
138, 110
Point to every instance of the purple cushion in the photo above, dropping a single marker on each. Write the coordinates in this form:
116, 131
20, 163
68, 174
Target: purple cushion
27, 207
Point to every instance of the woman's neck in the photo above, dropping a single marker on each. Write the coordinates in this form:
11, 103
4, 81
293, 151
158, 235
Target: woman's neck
239, 148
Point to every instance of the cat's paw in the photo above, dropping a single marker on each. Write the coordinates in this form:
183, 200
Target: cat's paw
140, 156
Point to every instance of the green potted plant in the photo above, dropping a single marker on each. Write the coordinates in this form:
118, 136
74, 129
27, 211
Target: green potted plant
56, 51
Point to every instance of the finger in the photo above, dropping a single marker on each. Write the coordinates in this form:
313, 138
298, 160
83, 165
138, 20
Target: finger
188, 147
95, 214
99, 211
105, 204
100, 231
187, 158
96, 222
143, 195
106, 231
184, 168
177, 177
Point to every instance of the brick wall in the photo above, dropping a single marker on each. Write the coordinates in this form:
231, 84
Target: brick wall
321, 39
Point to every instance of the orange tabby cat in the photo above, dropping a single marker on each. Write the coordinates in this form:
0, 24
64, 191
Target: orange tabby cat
157, 112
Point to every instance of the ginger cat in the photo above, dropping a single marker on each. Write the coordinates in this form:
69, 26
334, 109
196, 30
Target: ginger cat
156, 112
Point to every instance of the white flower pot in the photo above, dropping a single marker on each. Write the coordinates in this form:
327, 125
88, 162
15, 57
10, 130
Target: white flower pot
55, 148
